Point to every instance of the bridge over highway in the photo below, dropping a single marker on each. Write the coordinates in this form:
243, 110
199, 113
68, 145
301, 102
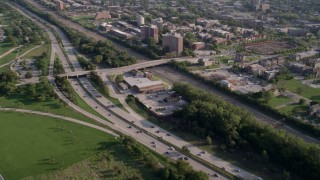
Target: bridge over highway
124, 69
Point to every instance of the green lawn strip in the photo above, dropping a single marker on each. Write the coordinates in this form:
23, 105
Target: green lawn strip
34, 144
5, 46
237, 158
279, 100
37, 52
308, 92
13, 54
295, 109
52, 106
83, 105
5, 69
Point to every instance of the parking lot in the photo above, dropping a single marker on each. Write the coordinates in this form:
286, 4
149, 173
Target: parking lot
162, 103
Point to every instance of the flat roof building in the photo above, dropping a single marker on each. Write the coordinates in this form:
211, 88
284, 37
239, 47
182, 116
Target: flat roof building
150, 32
174, 42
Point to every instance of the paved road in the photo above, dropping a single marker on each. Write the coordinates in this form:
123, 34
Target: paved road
122, 126
120, 70
173, 76
62, 118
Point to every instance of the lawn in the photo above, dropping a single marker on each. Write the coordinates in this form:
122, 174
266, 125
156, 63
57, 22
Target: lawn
52, 106
224, 59
295, 86
5, 68
64, 150
279, 100
36, 144
12, 56
295, 109
5, 46
37, 52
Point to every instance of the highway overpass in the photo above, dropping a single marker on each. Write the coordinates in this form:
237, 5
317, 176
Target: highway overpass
124, 69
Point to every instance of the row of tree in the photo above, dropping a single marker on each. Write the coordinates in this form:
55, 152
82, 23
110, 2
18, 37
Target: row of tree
208, 115
306, 127
98, 82
66, 88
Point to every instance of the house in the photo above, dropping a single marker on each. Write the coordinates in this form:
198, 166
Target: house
256, 69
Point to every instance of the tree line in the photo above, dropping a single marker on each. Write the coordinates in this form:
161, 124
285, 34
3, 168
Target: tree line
209, 115
252, 101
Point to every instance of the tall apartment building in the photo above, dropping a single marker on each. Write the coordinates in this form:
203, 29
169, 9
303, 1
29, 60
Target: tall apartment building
60, 5
140, 20
173, 41
150, 32
158, 22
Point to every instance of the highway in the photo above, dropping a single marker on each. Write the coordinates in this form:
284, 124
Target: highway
173, 76
119, 125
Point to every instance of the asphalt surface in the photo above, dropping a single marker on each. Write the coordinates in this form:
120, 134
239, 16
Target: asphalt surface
173, 76
119, 124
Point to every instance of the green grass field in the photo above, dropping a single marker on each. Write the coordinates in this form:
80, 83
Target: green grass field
13, 55
279, 100
306, 91
4, 47
52, 106
32, 145
37, 52
295, 109
39, 147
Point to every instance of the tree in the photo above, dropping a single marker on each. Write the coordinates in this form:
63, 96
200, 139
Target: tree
98, 59
208, 140
302, 101
185, 149
201, 62
119, 78
28, 75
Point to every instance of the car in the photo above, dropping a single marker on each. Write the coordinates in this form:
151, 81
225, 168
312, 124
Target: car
162, 137
137, 131
203, 152
155, 146
215, 175
199, 154
180, 158
151, 126
223, 168
167, 152
98, 96
132, 122
96, 107
168, 135
130, 127
172, 148
153, 142
237, 170
186, 158
157, 131
109, 114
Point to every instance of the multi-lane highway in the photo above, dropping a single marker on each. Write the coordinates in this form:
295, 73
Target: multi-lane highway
84, 86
